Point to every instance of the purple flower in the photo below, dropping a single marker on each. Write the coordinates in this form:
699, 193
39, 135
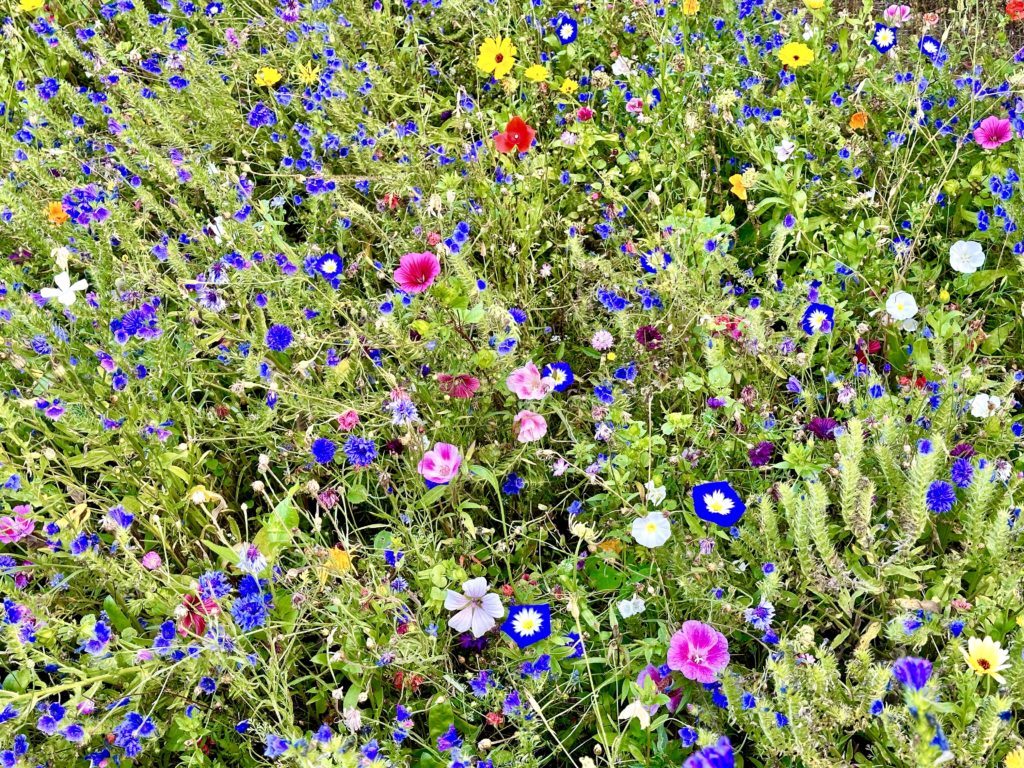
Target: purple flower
823, 427
761, 453
912, 672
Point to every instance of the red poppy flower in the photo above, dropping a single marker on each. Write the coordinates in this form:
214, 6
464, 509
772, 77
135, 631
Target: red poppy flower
517, 135
1015, 10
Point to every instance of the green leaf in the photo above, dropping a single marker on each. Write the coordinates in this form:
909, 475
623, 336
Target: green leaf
486, 474
997, 338
115, 614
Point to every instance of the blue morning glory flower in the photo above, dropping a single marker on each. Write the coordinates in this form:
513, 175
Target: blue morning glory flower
817, 319
718, 503
528, 624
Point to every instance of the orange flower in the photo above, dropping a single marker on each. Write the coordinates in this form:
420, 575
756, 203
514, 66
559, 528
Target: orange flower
55, 213
858, 121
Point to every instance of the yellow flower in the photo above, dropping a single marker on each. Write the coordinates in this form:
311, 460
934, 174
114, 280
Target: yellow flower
738, 187
338, 562
690, 7
1015, 759
944, 297
612, 356
30, 6
309, 74
796, 55
267, 76
986, 657
497, 56
569, 87
815, 5
538, 73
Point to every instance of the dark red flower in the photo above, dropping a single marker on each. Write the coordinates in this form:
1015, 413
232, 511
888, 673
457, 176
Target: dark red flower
761, 454
517, 135
461, 385
648, 337
196, 610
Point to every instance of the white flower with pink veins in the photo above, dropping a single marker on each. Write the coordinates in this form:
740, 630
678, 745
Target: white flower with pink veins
477, 608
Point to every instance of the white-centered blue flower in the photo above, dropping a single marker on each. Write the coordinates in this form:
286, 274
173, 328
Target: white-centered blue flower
528, 624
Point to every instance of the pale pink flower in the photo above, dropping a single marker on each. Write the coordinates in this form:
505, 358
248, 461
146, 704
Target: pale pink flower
635, 105
895, 15
699, 651
931, 19
15, 528
602, 340
348, 420
993, 132
477, 608
527, 383
440, 465
151, 561
417, 271
528, 426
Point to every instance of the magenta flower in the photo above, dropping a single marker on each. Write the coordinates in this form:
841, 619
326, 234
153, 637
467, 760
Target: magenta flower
440, 465
699, 651
151, 561
417, 271
993, 132
15, 528
529, 426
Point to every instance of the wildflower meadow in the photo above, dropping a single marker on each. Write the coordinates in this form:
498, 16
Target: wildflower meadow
493, 384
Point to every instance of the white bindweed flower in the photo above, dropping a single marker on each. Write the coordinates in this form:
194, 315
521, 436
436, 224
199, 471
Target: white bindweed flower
655, 493
901, 306
966, 256
65, 291
631, 607
622, 67
639, 711
651, 531
477, 608
983, 406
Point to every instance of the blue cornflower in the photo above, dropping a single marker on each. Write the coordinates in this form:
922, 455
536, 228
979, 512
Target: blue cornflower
962, 473
940, 497
323, 450
279, 337
360, 451
760, 616
717, 755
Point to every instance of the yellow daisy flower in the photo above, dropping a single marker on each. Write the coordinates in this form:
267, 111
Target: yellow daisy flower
496, 56
815, 5
738, 187
690, 7
569, 87
309, 74
538, 73
267, 76
986, 657
796, 55
1015, 759
30, 6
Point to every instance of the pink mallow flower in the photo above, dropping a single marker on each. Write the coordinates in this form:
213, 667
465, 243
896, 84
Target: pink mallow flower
417, 271
993, 132
15, 528
896, 15
699, 651
527, 383
440, 465
529, 426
